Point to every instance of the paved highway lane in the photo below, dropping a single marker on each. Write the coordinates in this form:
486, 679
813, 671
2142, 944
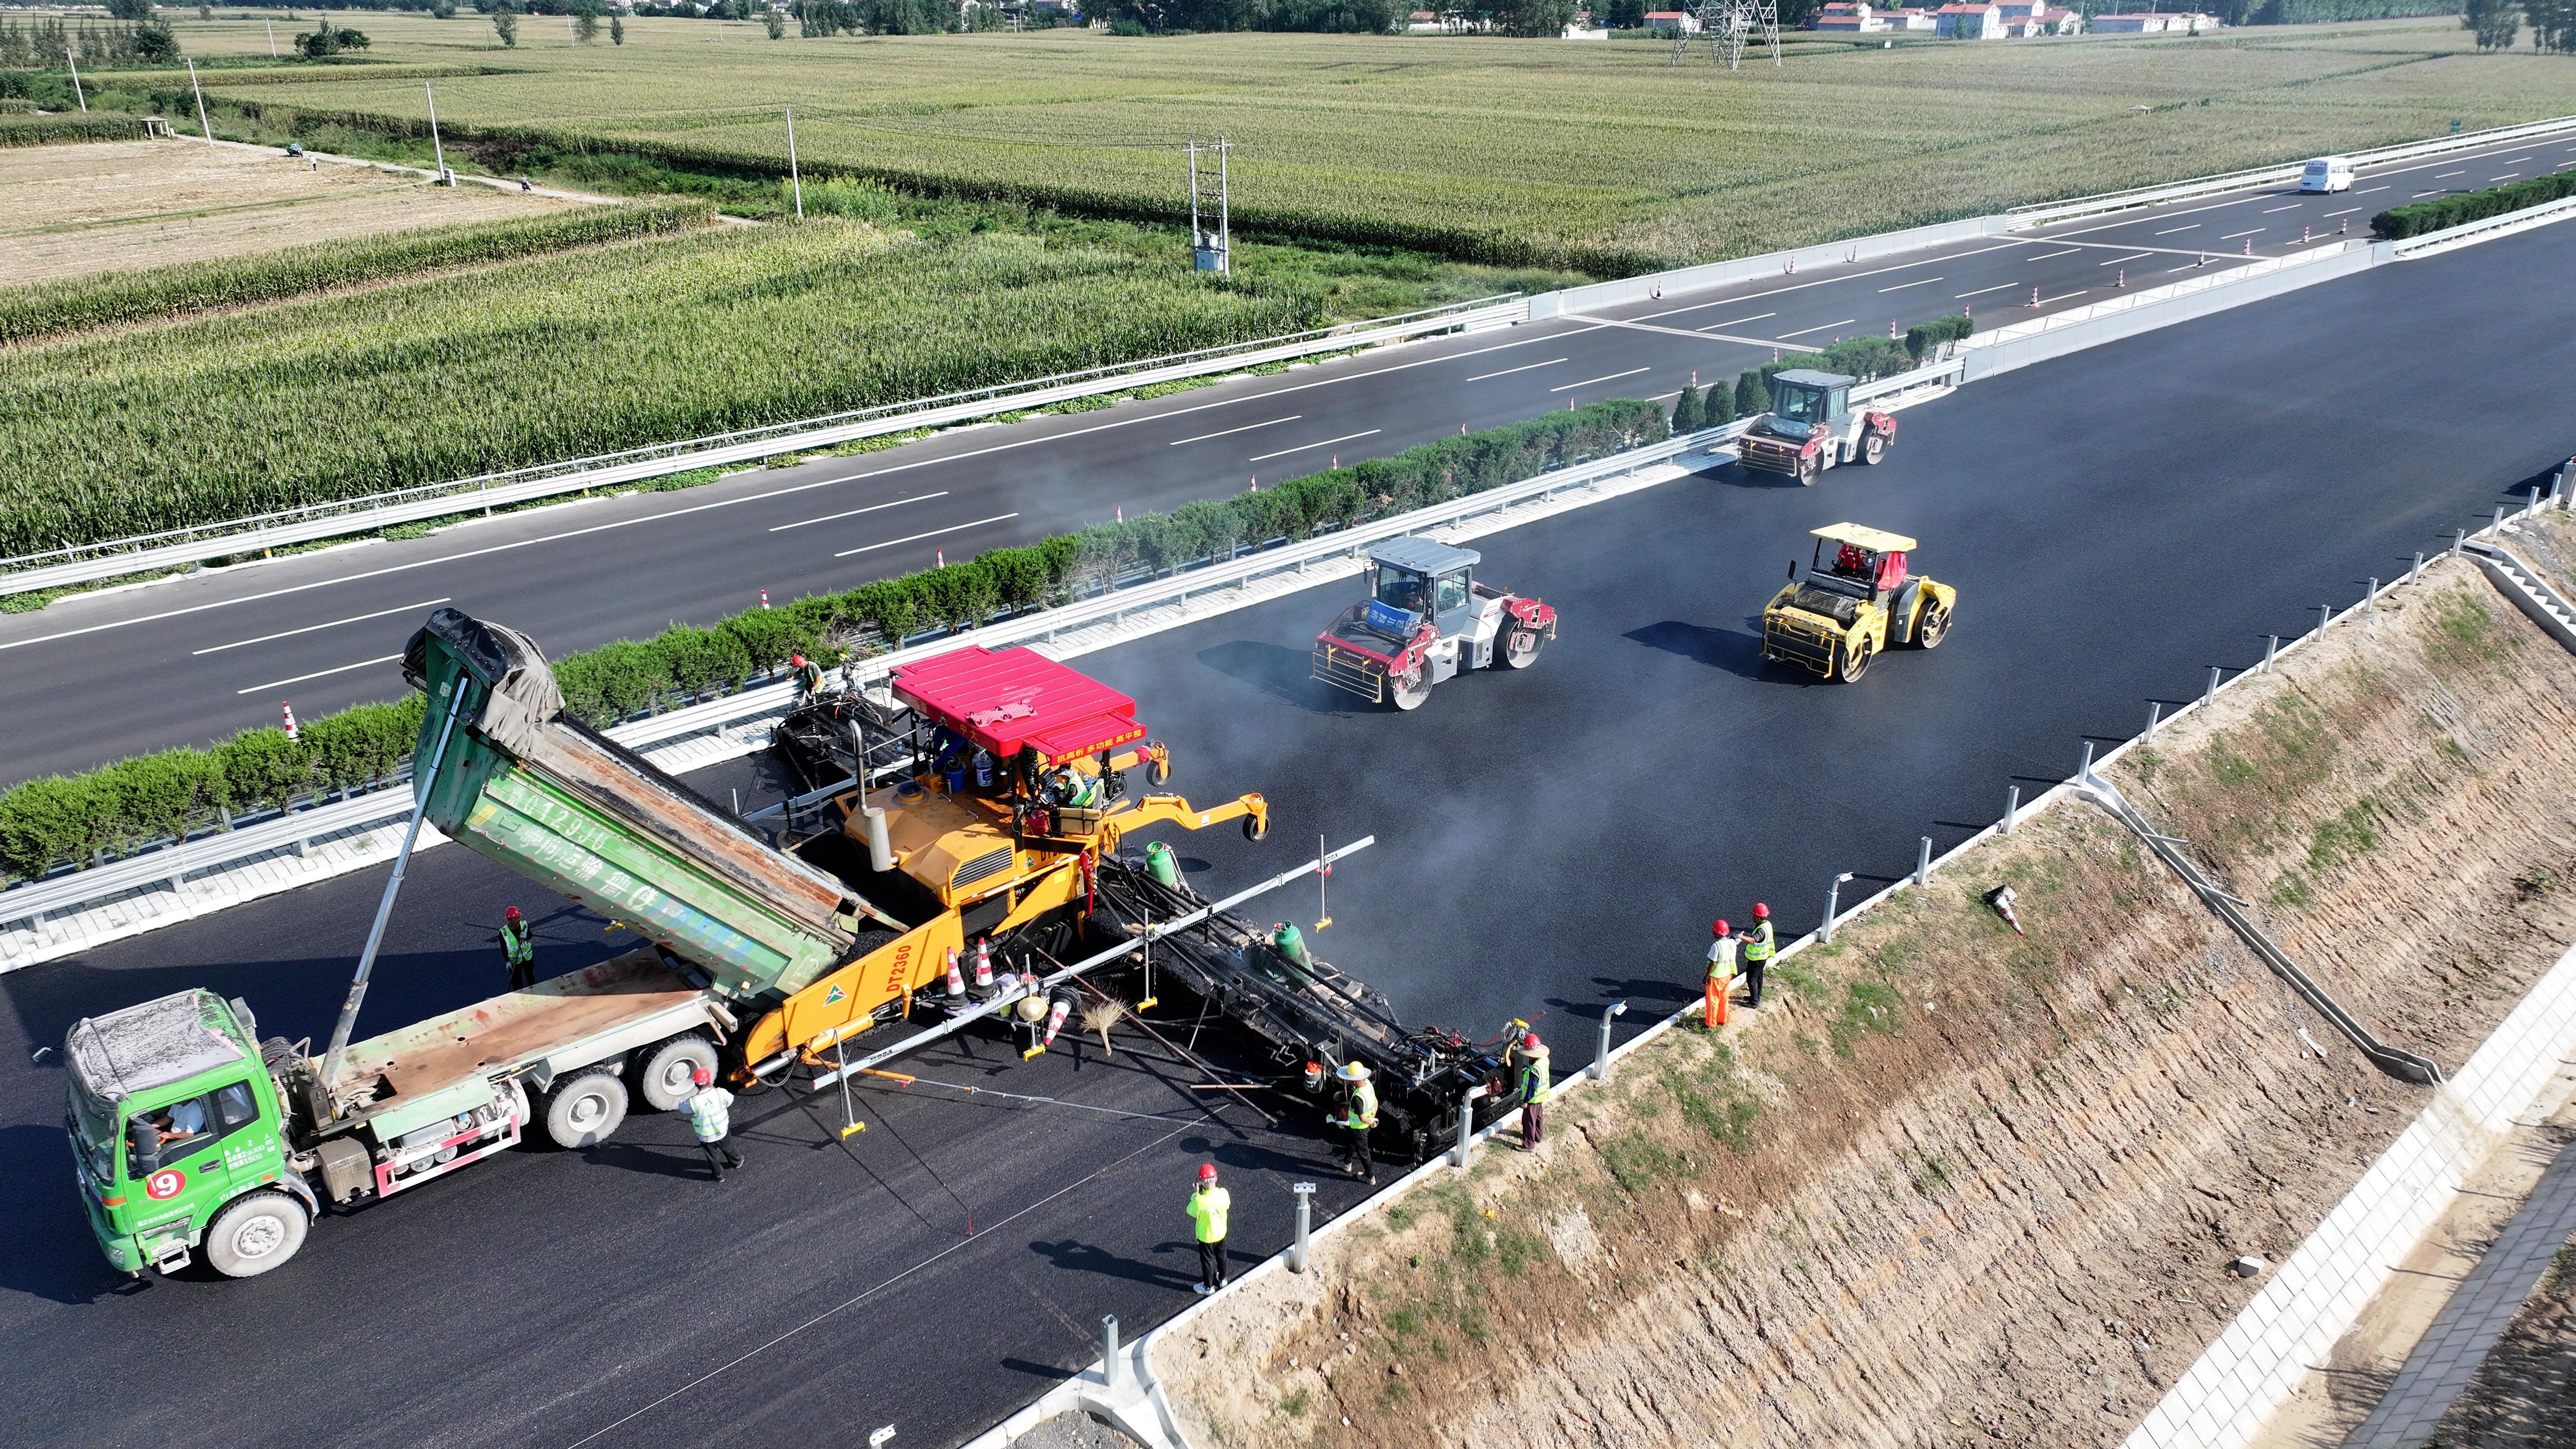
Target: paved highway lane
1549, 840
195, 659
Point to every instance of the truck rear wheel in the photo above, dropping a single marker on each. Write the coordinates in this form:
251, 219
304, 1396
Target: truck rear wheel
1936, 622
586, 1109
1873, 446
1520, 648
255, 1233
1810, 469
668, 1073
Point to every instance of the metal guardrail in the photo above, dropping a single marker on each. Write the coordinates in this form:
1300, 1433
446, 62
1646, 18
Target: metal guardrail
764, 703
2209, 185
89, 563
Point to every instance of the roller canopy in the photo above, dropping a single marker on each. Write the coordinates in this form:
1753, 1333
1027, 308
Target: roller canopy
1007, 699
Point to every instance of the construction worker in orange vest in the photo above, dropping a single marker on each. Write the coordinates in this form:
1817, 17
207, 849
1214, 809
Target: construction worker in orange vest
1759, 945
1721, 976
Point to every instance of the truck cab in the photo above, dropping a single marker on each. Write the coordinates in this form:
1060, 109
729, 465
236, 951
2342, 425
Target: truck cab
1812, 426
178, 1140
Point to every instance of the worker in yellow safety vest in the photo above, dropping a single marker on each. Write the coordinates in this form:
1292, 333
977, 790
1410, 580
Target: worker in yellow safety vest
1208, 1206
1534, 1091
1759, 945
1721, 976
1359, 1114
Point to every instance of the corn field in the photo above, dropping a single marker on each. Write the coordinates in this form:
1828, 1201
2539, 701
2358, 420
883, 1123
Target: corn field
528, 362
1599, 156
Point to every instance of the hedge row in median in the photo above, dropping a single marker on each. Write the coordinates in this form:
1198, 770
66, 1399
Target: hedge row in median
132, 803
2417, 218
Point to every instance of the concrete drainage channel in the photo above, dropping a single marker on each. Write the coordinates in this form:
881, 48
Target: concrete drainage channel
2311, 1300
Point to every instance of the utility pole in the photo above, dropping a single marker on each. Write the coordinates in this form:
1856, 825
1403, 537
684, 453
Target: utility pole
77, 92
435, 146
272, 38
1211, 251
794, 179
1728, 24
201, 103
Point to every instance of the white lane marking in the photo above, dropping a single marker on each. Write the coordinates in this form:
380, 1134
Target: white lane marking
2293, 206
1803, 331
1344, 438
2509, 160
1731, 321
2233, 235
1230, 432
2369, 190
2347, 211
934, 533
1589, 381
2169, 231
2508, 176
2044, 256
2423, 193
2438, 175
2062, 296
1981, 291
1508, 371
317, 674
309, 628
2130, 258
2185, 267
1901, 286
855, 512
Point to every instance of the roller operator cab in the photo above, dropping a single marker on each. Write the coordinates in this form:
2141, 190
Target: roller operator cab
1426, 619
1813, 426
2326, 174
1855, 606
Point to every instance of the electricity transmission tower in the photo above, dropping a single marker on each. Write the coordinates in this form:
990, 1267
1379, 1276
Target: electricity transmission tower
1728, 24
1210, 250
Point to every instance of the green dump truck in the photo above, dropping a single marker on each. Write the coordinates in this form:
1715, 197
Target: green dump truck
192, 1135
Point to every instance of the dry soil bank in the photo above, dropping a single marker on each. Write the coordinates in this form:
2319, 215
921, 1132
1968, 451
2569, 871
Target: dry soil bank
1955, 1185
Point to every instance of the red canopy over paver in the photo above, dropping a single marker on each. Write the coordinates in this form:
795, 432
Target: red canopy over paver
1006, 698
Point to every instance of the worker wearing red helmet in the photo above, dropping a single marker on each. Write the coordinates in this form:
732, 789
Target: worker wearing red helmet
1208, 1206
1533, 1086
809, 675
1722, 950
519, 949
1759, 945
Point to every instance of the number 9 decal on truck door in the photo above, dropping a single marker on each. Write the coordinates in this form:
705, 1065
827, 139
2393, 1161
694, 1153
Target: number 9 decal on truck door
166, 1184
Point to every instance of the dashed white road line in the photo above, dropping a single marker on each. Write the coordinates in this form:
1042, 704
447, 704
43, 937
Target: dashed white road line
1731, 321
2169, 231
1901, 286
1803, 331
1346, 437
1248, 427
2347, 211
934, 533
2130, 258
855, 512
2233, 235
309, 628
317, 674
2293, 206
2508, 176
1587, 382
2044, 256
2439, 175
1508, 371
2368, 190
1981, 291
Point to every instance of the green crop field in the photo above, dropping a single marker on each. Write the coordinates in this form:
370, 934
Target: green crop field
1598, 155
113, 433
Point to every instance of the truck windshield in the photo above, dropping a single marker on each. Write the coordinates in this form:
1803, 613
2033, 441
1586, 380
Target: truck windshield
94, 1132
1399, 589
1798, 404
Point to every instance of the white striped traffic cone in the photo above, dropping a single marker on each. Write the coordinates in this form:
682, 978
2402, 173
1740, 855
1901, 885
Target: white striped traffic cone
984, 964
1055, 1019
956, 978
764, 598
289, 711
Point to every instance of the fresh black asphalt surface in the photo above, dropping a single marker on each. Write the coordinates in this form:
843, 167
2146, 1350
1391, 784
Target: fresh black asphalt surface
192, 660
2116, 522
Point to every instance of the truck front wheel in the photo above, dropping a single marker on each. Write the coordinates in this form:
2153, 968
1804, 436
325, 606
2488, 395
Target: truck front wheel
1873, 446
585, 1110
255, 1233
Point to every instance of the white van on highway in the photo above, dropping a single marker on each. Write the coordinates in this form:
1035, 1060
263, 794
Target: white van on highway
2327, 174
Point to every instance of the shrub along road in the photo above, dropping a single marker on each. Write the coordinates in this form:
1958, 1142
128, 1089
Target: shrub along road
320, 629
1549, 840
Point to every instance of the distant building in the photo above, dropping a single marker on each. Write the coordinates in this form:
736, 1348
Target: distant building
1918, 18
1971, 22
1672, 20
2155, 22
1849, 17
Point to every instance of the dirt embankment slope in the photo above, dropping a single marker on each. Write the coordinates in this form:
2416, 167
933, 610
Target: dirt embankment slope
1959, 1186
